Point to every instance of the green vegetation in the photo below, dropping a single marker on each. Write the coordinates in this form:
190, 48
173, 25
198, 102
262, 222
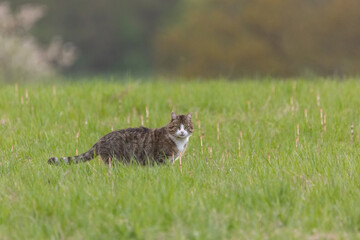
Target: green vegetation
209, 38
273, 37
273, 190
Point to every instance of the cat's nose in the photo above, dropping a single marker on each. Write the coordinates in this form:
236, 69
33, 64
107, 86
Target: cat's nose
182, 132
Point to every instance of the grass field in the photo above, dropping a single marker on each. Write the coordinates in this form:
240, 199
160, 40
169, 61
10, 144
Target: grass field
297, 176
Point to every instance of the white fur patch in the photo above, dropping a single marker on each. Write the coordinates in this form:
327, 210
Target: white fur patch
180, 144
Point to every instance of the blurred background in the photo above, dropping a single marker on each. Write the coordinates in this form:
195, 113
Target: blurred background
179, 38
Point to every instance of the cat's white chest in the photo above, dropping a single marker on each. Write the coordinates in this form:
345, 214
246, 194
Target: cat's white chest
180, 144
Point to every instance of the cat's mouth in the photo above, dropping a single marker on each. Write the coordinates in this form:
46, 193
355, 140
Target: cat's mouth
182, 135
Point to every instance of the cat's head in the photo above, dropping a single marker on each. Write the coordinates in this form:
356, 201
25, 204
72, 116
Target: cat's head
180, 126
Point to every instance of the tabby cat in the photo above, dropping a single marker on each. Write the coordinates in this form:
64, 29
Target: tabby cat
141, 144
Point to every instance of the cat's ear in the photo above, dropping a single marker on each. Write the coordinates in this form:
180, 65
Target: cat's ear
173, 116
189, 116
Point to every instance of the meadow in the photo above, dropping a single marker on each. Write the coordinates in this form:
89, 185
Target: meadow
268, 160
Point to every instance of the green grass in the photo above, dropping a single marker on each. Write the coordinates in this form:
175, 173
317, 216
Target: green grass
275, 190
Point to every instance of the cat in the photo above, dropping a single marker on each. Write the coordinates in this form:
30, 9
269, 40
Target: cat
141, 144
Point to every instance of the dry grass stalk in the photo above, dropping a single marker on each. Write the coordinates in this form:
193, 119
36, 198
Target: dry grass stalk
199, 125
196, 115
3, 119
321, 118
12, 148
194, 152
54, 90
22, 100
297, 135
306, 115
352, 133
273, 89
147, 114
207, 162
173, 158
170, 104
210, 151
86, 122
318, 100
297, 130
324, 122
112, 128
142, 120
249, 105
292, 105
128, 120
109, 166
16, 89
134, 111
201, 144
218, 131
294, 86
77, 143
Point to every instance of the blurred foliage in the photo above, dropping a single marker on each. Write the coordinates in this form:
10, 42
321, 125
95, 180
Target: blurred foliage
207, 38
21, 57
278, 37
109, 34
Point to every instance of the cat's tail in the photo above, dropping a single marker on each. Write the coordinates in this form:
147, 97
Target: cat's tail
87, 156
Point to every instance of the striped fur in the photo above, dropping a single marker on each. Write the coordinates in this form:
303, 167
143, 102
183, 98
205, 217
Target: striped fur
141, 144
87, 156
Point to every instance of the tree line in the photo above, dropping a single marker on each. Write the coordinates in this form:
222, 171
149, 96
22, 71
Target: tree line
209, 38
